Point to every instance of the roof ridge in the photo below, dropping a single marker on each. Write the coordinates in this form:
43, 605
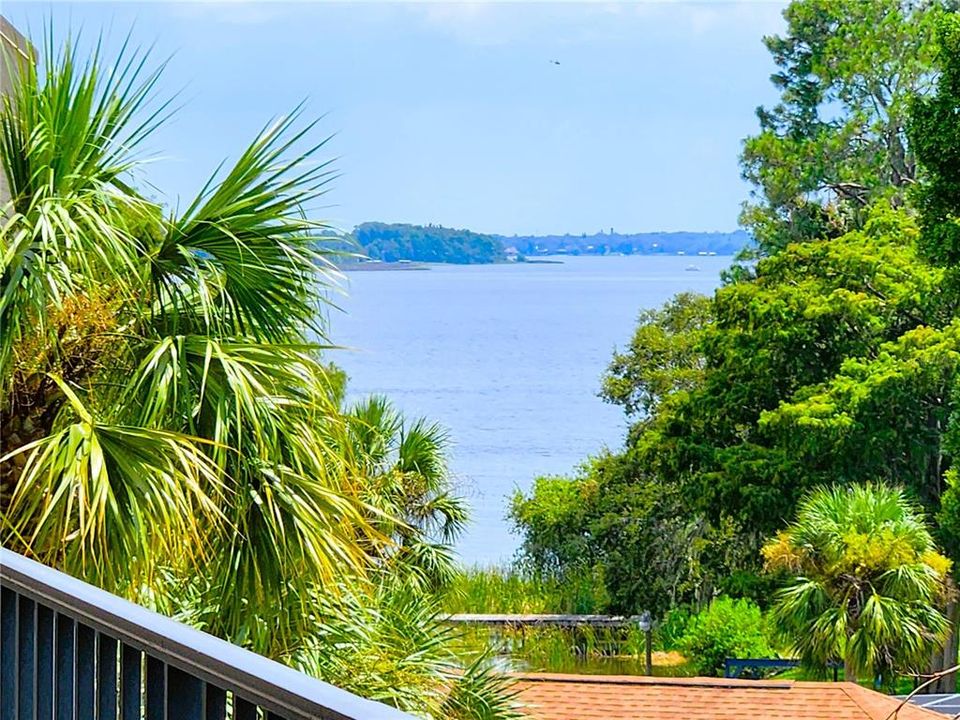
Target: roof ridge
871, 711
647, 680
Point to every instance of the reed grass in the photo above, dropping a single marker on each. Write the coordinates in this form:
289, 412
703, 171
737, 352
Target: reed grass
511, 590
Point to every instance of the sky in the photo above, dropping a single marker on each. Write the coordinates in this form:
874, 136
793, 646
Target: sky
526, 118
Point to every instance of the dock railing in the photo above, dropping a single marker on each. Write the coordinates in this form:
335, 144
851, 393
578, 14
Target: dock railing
70, 651
556, 621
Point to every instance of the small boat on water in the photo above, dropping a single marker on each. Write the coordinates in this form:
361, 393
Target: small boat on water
692, 268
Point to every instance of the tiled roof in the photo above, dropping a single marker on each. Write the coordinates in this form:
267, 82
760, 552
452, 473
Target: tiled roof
616, 697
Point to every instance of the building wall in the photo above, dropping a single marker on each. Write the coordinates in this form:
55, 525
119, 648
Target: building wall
14, 49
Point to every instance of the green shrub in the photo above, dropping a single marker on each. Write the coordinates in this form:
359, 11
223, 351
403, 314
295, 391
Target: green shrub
727, 629
672, 629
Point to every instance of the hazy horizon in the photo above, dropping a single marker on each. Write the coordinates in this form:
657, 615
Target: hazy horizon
558, 233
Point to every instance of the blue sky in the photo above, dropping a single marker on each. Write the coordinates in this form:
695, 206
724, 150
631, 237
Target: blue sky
453, 113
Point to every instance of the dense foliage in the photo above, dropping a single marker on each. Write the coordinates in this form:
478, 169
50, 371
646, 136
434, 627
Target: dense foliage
170, 428
829, 360
432, 243
836, 141
725, 629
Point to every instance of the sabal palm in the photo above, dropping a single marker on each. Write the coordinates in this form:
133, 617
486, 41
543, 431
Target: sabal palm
162, 403
409, 487
866, 584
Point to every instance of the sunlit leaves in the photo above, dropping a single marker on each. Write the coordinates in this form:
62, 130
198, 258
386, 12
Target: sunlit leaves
92, 495
882, 416
866, 583
664, 355
68, 140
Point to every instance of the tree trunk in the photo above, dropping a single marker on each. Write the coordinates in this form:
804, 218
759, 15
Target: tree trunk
849, 673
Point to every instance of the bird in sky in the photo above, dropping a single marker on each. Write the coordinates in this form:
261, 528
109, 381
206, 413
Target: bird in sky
555, 62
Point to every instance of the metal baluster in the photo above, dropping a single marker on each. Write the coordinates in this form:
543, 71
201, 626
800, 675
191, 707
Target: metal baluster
8, 654
243, 710
86, 667
45, 654
184, 695
216, 703
156, 689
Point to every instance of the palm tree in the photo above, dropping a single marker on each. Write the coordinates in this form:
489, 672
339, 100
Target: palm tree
866, 581
162, 401
410, 489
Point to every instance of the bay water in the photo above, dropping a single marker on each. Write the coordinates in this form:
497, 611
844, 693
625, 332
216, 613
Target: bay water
509, 359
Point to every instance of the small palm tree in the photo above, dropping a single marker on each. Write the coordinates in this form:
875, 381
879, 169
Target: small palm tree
409, 487
866, 581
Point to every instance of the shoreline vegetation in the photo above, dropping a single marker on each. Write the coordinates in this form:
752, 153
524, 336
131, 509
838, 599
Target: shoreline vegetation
687, 641
406, 244
404, 265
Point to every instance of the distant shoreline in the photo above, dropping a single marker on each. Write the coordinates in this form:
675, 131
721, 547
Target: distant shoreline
383, 266
559, 259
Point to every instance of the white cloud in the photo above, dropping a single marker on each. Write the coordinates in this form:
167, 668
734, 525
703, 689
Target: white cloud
499, 21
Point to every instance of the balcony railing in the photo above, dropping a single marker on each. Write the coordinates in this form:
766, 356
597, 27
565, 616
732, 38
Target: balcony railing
70, 651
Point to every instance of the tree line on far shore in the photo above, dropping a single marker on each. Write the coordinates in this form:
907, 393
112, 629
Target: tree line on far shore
395, 242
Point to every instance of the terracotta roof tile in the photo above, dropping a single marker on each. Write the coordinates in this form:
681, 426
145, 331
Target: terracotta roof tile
616, 697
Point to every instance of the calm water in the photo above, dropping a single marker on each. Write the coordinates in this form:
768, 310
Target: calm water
509, 359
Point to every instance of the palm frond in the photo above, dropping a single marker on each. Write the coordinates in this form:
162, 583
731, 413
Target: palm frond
481, 692
110, 503
68, 136
295, 515
244, 259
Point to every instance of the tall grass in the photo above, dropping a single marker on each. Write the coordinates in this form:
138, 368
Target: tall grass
511, 590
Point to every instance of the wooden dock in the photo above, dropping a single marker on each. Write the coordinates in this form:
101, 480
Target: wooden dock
558, 621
